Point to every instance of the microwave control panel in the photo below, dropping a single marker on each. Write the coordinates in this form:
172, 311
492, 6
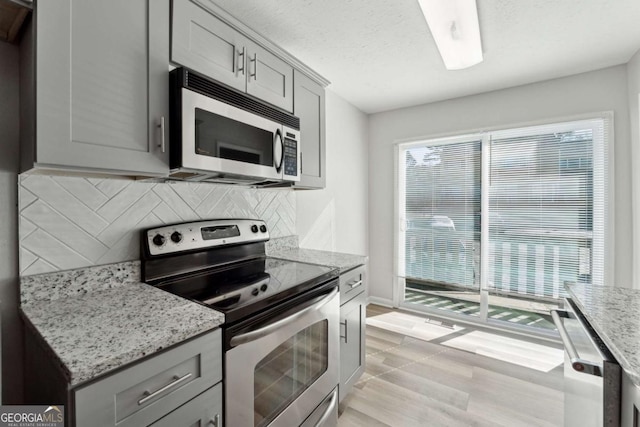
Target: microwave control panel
290, 155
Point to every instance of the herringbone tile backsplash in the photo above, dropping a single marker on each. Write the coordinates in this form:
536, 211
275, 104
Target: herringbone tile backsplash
72, 222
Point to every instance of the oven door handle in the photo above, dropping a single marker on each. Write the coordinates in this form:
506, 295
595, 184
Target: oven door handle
317, 303
578, 364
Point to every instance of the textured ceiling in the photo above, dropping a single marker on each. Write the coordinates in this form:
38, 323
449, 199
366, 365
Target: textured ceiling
379, 55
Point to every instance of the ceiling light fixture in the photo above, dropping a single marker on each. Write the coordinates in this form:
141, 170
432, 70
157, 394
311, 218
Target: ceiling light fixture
455, 28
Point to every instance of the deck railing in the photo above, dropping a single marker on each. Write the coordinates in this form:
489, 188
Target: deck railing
535, 270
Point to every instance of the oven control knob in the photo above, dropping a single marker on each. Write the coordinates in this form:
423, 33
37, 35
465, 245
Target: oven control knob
176, 237
263, 287
254, 228
263, 228
255, 292
158, 240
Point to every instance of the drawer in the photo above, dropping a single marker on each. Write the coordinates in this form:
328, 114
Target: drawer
146, 391
352, 283
204, 410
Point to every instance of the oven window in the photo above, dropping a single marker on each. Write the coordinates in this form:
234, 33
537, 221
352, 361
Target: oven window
289, 370
222, 137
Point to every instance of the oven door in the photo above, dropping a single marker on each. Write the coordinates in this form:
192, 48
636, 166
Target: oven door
218, 137
278, 372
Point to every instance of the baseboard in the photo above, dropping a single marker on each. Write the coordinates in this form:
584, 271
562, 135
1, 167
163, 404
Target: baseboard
380, 301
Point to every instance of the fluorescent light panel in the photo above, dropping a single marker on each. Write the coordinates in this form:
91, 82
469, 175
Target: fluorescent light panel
455, 28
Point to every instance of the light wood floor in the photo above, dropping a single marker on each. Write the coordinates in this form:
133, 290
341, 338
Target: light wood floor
423, 380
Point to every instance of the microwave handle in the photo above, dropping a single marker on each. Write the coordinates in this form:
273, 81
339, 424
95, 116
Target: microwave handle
278, 144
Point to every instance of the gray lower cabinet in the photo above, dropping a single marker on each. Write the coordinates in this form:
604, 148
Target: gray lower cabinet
353, 305
309, 106
203, 42
181, 386
147, 391
98, 72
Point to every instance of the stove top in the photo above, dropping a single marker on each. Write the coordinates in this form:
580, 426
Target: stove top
248, 287
222, 264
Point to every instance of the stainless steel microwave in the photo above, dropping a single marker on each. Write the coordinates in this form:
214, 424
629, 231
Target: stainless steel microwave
219, 134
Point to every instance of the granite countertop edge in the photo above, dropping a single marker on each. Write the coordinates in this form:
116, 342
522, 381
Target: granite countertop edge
342, 261
619, 320
96, 325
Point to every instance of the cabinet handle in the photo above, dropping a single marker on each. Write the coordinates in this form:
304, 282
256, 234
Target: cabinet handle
176, 381
239, 63
162, 140
355, 284
215, 421
345, 331
255, 67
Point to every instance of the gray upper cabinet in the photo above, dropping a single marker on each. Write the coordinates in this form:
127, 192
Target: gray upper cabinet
101, 99
206, 44
309, 105
269, 78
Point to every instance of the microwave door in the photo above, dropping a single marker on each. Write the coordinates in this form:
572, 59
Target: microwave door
218, 137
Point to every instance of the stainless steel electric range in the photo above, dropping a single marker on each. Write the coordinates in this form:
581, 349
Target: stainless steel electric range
281, 330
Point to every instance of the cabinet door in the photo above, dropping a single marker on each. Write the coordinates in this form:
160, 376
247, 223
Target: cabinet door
204, 43
309, 105
202, 411
352, 346
269, 78
102, 85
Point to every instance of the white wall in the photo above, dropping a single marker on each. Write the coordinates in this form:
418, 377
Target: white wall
596, 91
335, 218
9, 134
633, 74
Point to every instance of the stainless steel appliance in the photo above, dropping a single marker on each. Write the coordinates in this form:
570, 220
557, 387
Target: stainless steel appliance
592, 377
281, 330
222, 135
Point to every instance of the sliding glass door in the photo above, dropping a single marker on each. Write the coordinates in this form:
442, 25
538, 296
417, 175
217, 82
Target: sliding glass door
440, 207
492, 226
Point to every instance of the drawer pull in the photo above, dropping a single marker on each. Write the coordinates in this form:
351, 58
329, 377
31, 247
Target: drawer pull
215, 422
176, 381
355, 284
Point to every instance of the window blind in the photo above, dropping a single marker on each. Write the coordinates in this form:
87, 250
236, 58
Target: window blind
442, 211
547, 208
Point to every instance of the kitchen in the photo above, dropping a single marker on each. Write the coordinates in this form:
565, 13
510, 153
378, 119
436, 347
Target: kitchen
353, 213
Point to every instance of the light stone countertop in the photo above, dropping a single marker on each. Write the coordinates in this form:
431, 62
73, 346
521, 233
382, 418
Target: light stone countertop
101, 318
614, 313
342, 261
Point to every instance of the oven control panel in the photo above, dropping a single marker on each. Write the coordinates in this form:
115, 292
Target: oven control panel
190, 236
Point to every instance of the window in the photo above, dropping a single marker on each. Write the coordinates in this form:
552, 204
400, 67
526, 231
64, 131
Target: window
511, 215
